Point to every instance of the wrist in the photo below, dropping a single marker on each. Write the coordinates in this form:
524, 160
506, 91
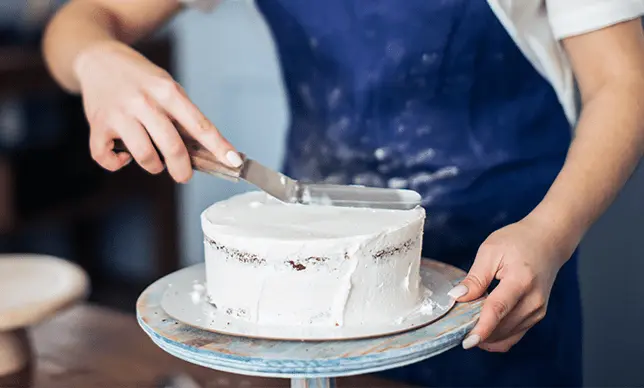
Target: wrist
559, 225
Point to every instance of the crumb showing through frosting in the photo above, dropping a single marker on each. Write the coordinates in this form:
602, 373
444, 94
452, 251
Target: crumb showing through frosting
395, 250
235, 254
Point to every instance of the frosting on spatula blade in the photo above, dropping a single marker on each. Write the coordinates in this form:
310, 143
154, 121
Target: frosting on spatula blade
359, 196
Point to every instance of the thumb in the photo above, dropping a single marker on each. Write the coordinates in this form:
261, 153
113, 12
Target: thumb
478, 278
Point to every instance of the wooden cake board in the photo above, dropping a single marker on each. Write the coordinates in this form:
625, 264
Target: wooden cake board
307, 364
32, 289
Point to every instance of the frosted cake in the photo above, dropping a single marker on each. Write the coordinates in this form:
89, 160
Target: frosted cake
276, 264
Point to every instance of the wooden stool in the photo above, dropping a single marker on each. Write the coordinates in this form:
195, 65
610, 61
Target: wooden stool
32, 289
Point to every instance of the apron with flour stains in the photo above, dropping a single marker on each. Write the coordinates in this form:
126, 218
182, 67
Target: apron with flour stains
433, 95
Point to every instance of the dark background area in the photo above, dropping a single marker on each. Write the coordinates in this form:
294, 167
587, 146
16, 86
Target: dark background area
54, 199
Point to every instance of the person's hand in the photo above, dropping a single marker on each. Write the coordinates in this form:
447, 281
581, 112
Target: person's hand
525, 257
126, 96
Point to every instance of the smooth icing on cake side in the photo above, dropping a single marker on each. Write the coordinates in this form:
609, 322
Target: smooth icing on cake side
281, 264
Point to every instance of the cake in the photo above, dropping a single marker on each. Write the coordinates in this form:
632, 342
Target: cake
272, 263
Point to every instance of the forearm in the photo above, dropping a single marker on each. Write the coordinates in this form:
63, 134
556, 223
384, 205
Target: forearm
75, 27
83, 24
608, 144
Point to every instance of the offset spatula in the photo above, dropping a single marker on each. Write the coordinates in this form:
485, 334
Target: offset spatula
289, 190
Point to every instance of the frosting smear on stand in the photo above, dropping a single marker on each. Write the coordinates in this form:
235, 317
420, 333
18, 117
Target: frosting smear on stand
284, 264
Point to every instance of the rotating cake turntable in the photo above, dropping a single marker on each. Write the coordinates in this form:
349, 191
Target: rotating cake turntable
307, 363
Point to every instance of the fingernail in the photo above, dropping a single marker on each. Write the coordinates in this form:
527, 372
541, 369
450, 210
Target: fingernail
234, 159
471, 341
128, 161
458, 291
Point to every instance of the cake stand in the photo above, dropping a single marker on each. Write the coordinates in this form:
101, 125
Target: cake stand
307, 364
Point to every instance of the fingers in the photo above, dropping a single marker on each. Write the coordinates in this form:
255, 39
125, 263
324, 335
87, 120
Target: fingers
101, 144
478, 278
496, 307
139, 144
172, 98
167, 139
528, 312
505, 344
137, 101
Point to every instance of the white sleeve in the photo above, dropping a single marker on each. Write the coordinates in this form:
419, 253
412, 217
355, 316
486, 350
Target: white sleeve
204, 5
574, 17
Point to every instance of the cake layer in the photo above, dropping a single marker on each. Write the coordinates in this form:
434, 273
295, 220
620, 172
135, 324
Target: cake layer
275, 263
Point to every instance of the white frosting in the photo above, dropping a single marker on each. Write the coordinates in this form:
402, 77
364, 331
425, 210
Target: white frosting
275, 263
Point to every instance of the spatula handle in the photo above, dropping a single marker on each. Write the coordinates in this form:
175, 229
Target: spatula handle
200, 158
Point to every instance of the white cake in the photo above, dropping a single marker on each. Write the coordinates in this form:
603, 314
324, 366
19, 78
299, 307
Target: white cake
278, 264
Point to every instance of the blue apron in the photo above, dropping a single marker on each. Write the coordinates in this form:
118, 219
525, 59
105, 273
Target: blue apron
433, 95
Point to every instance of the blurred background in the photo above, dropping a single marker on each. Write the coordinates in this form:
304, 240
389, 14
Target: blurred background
129, 228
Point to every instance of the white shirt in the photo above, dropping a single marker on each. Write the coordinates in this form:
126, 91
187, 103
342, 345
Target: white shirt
537, 27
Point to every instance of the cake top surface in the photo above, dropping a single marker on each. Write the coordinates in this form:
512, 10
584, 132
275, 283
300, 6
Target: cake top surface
256, 214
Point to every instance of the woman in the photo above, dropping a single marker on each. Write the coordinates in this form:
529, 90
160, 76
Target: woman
469, 102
